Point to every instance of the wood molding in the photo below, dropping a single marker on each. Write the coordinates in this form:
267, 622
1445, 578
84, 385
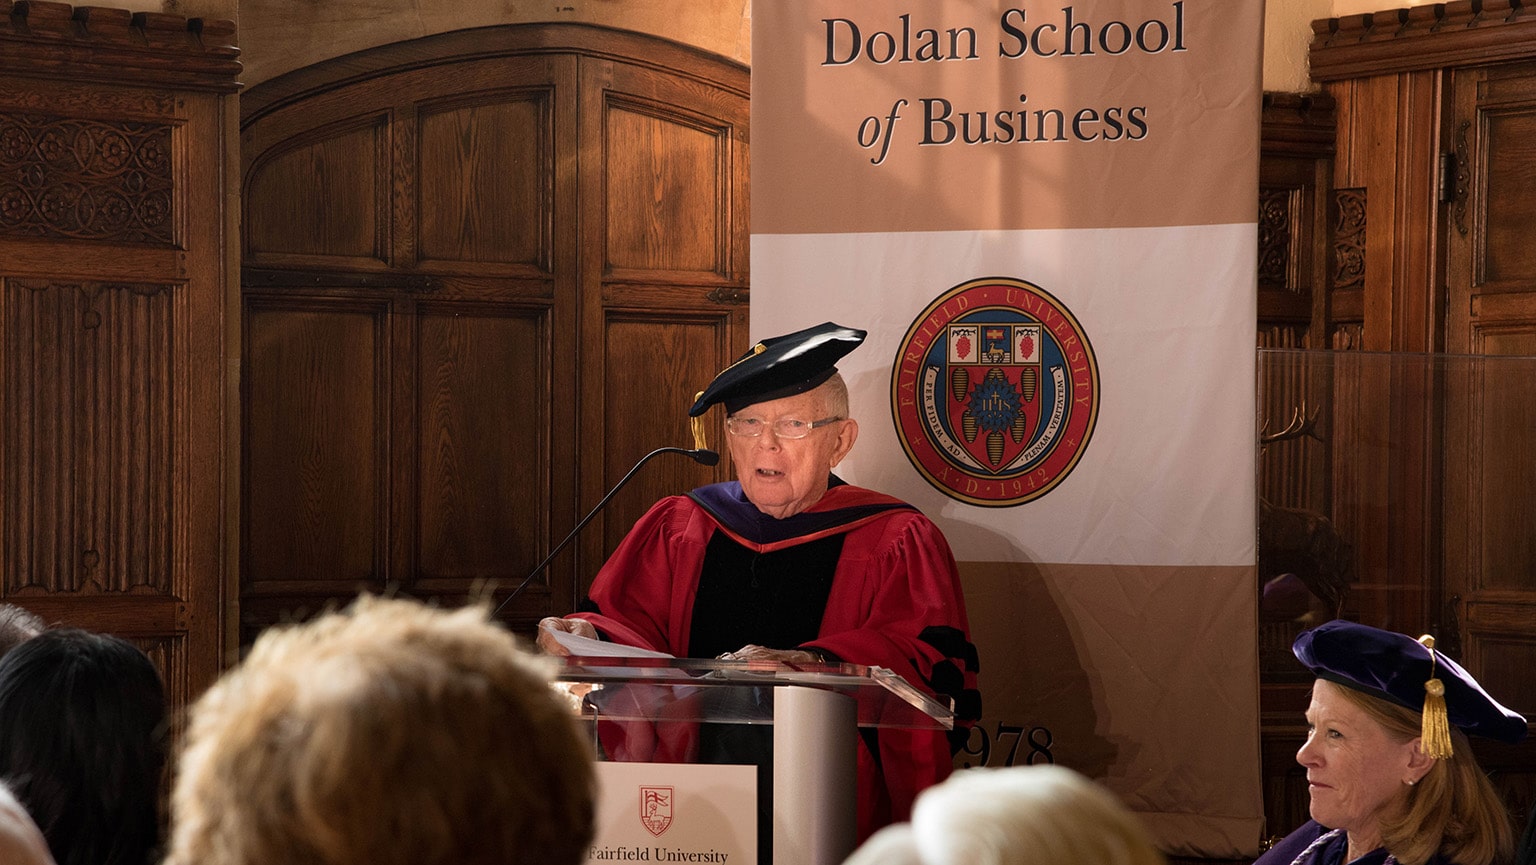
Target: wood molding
251, 277
1420, 38
1297, 124
1296, 166
116, 46
636, 49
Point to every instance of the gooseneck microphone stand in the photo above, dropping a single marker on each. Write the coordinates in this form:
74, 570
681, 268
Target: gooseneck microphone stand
702, 456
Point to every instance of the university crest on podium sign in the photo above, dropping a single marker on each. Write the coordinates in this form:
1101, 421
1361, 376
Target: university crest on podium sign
995, 392
656, 809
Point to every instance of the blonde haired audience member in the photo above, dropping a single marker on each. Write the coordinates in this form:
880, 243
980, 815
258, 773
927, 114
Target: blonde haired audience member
1020, 815
389, 732
1391, 775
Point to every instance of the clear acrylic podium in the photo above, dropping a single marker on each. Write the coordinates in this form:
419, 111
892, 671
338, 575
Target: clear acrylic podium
815, 711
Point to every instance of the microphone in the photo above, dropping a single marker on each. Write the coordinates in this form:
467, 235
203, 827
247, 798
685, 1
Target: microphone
702, 456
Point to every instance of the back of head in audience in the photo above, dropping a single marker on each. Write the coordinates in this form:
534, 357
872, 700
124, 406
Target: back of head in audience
20, 841
17, 625
1021, 815
389, 732
82, 744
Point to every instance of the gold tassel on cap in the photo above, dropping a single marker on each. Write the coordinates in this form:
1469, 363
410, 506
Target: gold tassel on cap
696, 424
1435, 733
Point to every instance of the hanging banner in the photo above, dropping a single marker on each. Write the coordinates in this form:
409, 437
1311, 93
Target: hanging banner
1045, 216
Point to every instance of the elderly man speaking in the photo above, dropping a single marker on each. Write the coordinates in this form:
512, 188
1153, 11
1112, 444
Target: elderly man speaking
790, 563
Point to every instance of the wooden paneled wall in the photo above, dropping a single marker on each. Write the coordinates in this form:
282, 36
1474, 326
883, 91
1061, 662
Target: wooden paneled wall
1300, 308
1436, 108
1419, 456
485, 272
113, 436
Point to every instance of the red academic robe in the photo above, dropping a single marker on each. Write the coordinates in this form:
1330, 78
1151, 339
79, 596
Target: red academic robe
895, 602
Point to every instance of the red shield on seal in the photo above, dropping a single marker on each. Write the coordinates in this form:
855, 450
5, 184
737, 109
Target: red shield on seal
656, 809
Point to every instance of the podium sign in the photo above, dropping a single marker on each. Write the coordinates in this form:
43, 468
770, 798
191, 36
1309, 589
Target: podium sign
675, 812
815, 711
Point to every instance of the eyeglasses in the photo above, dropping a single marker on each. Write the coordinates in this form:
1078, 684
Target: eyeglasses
784, 428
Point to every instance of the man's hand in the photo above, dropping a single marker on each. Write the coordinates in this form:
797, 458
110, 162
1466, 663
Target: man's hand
752, 652
546, 639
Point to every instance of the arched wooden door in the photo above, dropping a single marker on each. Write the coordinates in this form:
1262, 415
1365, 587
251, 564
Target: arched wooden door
484, 272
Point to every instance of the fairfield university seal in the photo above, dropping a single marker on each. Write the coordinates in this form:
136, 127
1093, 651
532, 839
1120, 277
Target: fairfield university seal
995, 392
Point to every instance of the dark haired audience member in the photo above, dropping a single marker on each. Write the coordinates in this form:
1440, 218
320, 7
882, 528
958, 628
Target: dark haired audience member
82, 727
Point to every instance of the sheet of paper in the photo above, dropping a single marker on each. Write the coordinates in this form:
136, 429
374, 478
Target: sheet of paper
587, 647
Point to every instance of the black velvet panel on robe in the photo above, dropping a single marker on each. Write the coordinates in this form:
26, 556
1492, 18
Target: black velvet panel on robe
771, 599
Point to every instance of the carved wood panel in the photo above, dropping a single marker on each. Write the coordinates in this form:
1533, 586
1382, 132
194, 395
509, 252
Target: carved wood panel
1349, 240
113, 414
1279, 208
91, 439
86, 179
